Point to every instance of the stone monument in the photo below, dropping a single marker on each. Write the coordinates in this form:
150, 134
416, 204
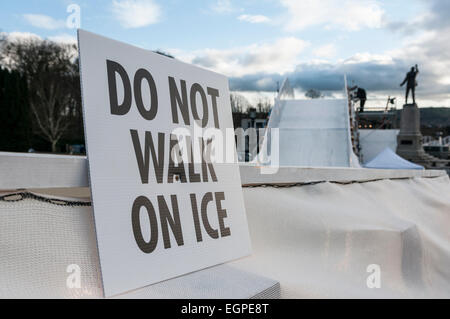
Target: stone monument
410, 140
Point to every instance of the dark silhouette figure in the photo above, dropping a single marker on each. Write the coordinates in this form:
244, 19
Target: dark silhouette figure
361, 95
411, 83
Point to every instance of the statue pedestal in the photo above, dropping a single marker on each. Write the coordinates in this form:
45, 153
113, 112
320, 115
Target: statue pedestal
409, 140
410, 120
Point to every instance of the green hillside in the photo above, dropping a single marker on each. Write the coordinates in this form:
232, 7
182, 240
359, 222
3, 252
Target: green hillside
435, 116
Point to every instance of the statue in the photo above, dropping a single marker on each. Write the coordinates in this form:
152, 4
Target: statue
411, 83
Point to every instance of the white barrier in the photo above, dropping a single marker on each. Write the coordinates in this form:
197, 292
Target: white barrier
316, 231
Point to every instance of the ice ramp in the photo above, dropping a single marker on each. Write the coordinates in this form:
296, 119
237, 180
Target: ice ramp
312, 133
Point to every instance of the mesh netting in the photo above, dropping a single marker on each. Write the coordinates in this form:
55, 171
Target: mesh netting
40, 237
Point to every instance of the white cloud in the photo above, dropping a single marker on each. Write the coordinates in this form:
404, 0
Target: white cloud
223, 6
254, 18
64, 39
20, 36
365, 57
26, 36
136, 13
350, 15
426, 42
278, 57
430, 49
325, 51
44, 22
265, 82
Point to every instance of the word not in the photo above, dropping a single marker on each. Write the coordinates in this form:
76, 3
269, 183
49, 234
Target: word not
179, 102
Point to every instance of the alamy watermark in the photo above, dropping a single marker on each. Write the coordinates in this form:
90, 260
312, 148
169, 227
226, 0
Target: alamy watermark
374, 279
73, 280
73, 21
227, 146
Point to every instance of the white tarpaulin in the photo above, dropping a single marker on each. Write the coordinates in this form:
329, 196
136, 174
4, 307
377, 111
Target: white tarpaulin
46, 245
318, 240
387, 159
312, 133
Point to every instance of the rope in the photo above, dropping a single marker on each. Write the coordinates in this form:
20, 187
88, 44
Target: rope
18, 197
300, 184
21, 196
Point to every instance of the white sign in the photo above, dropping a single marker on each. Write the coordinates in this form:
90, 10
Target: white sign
162, 206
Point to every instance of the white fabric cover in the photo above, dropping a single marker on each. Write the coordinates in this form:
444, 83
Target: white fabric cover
318, 241
387, 159
38, 241
312, 133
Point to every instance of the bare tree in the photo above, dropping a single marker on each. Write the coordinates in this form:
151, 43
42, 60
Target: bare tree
313, 94
53, 82
238, 103
163, 53
263, 105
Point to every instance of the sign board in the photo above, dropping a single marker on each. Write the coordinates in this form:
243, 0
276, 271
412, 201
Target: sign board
162, 206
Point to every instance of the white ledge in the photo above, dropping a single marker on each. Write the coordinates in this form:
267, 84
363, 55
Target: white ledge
35, 171
20, 171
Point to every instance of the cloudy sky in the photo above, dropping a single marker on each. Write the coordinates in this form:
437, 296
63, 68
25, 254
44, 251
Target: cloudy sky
257, 43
